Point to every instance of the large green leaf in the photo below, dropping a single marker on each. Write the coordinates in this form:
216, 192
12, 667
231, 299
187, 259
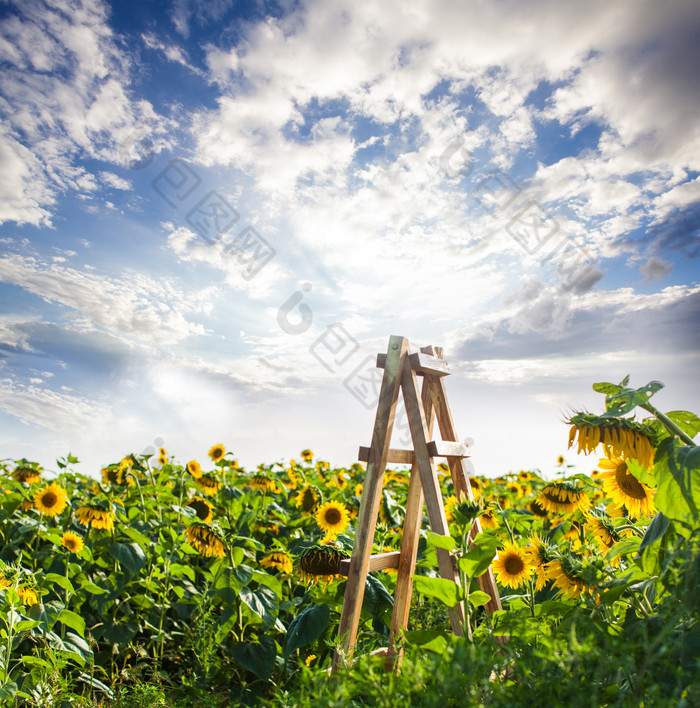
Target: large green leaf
377, 599
306, 627
678, 494
688, 422
263, 602
72, 620
657, 528
258, 658
130, 555
430, 639
477, 559
626, 400
446, 542
447, 591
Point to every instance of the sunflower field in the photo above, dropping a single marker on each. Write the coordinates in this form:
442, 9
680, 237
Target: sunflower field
166, 583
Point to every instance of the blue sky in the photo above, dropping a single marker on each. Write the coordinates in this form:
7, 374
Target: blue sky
214, 215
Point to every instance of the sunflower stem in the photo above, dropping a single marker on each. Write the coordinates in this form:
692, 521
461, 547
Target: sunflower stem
668, 423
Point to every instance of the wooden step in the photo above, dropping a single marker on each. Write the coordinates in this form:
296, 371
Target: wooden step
379, 561
436, 448
421, 364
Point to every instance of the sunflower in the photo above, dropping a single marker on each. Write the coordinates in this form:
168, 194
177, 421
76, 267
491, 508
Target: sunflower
333, 517
113, 474
307, 455
565, 497
28, 595
205, 540
203, 509
261, 483
619, 436
99, 516
514, 488
560, 460
603, 530
477, 487
358, 490
565, 574
513, 566
217, 452
51, 500
5, 582
28, 475
524, 476
540, 553
308, 499
163, 457
279, 560
450, 503
208, 483
321, 562
340, 481
72, 541
194, 469
624, 489
489, 520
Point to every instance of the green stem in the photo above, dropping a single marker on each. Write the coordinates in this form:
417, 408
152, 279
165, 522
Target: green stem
668, 423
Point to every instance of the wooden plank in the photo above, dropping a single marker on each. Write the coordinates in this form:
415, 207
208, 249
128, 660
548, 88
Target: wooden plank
395, 363
378, 561
447, 448
430, 483
422, 363
409, 547
395, 457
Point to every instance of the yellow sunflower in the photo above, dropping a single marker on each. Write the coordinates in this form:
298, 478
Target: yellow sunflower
194, 469
540, 554
208, 483
624, 489
51, 500
307, 500
98, 516
307, 455
489, 520
513, 566
566, 577
279, 560
72, 541
602, 530
450, 504
217, 452
333, 517
477, 488
28, 475
205, 540
321, 563
203, 509
560, 460
565, 497
261, 483
28, 595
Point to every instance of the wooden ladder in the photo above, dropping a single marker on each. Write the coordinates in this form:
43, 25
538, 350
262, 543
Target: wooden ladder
401, 369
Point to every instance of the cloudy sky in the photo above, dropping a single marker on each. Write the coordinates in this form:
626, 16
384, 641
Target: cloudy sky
215, 213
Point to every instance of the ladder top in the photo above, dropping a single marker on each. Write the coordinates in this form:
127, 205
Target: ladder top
421, 364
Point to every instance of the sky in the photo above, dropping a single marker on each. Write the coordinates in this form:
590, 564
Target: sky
214, 214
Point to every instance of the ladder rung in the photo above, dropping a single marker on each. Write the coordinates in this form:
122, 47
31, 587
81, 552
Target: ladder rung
396, 457
379, 561
421, 364
447, 448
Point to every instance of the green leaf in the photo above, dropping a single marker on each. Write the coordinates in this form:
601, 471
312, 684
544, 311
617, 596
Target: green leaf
479, 598
228, 619
607, 388
72, 620
92, 588
130, 555
646, 475
377, 599
8, 692
60, 580
446, 542
656, 529
306, 627
447, 591
263, 602
24, 625
688, 422
430, 639
678, 493
622, 402
477, 560
258, 658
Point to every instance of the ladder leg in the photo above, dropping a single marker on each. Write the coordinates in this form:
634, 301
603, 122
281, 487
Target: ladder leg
371, 497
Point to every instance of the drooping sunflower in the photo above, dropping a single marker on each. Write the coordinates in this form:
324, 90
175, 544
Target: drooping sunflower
114, 474
625, 490
321, 562
536, 509
98, 516
205, 539
203, 509
308, 499
565, 497
513, 566
217, 452
194, 469
279, 560
602, 529
28, 475
261, 483
208, 483
307, 455
619, 436
72, 541
489, 520
477, 487
51, 500
333, 517
565, 573
28, 595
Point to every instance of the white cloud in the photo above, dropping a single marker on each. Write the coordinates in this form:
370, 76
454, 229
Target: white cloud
115, 181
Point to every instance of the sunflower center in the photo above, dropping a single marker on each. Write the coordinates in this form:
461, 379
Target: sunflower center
514, 565
333, 516
629, 484
49, 499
